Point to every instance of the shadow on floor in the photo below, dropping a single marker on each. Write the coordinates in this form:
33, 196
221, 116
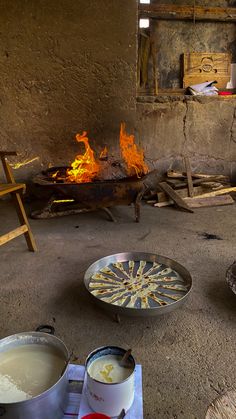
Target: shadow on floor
222, 297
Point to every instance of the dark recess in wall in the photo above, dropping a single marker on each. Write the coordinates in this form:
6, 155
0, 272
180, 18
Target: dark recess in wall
173, 38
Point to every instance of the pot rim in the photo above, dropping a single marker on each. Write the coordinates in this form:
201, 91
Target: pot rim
110, 347
50, 389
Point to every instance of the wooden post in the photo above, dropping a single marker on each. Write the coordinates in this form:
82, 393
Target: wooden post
189, 176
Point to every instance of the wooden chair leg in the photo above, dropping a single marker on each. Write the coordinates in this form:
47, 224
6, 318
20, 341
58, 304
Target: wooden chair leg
24, 221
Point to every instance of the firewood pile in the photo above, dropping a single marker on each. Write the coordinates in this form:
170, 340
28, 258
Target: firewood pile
188, 190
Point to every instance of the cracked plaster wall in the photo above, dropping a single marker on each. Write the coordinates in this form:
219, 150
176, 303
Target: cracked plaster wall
202, 128
66, 66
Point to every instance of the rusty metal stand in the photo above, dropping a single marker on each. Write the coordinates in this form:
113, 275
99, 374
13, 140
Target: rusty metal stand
48, 212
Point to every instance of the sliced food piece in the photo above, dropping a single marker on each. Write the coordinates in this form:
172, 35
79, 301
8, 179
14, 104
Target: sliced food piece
141, 267
157, 300
131, 268
175, 287
100, 277
108, 271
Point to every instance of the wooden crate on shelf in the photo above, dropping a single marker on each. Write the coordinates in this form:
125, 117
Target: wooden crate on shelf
201, 67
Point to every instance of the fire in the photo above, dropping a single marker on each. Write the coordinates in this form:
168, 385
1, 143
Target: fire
133, 156
84, 168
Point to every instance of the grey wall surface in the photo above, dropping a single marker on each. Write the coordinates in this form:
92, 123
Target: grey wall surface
66, 66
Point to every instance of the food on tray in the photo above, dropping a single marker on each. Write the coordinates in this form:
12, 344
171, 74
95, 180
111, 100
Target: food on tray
140, 284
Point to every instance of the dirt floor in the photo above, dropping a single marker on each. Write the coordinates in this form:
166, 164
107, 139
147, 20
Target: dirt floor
188, 356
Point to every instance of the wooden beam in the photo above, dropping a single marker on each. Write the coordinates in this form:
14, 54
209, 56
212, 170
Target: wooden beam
173, 12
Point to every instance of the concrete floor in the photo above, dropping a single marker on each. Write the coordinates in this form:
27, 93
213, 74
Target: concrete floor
188, 356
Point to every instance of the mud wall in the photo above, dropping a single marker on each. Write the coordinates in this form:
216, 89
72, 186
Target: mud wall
174, 38
173, 126
66, 66
202, 128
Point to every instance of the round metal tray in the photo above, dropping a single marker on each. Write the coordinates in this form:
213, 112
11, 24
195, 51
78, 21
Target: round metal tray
138, 284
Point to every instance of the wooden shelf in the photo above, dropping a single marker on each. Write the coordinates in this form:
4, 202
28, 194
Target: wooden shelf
200, 13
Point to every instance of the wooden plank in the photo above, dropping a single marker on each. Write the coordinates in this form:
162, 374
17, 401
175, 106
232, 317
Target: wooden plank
12, 234
182, 175
198, 190
217, 193
201, 202
6, 188
174, 12
189, 176
224, 407
211, 201
201, 67
174, 196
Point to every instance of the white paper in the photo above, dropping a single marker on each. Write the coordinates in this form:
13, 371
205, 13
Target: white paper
206, 89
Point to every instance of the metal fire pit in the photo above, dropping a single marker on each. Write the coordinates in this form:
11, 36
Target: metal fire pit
138, 284
92, 195
231, 277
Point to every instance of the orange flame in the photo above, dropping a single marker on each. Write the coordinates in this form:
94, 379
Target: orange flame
84, 168
133, 156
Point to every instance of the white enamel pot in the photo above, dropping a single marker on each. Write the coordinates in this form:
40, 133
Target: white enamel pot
109, 398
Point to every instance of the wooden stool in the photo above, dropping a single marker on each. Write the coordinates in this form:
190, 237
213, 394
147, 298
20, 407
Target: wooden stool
15, 189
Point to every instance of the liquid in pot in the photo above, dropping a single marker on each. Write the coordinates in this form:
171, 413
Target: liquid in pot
27, 371
107, 369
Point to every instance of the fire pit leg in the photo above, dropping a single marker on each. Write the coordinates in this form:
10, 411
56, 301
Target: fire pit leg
137, 206
110, 215
45, 211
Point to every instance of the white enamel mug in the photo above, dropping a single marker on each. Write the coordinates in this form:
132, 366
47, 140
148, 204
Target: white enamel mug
109, 398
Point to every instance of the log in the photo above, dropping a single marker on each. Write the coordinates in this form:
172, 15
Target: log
174, 12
